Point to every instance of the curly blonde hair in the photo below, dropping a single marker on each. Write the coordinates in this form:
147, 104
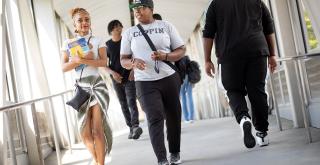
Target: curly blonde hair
78, 10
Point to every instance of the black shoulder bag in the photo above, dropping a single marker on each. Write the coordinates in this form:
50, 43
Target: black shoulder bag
81, 95
180, 70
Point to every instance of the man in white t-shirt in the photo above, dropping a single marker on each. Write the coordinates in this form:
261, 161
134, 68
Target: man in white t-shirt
157, 84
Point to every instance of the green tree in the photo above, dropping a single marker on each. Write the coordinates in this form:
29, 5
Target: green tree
313, 42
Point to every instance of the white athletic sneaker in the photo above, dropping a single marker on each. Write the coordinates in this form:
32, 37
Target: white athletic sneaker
175, 159
262, 138
246, 128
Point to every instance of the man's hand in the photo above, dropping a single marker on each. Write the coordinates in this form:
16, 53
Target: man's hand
159, 55
210, 69
272, 63
139, 64
117, 77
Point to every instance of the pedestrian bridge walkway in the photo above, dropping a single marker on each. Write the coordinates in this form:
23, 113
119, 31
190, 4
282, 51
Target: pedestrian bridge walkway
212, 142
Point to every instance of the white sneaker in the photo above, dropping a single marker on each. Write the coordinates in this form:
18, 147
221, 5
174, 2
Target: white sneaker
262, 138
175, 159
246, 128
187, 122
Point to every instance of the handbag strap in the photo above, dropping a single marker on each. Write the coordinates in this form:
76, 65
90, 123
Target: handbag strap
145, 35
153, 48
84, 67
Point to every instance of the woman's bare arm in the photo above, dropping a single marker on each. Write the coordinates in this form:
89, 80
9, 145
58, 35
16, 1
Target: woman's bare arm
66, 64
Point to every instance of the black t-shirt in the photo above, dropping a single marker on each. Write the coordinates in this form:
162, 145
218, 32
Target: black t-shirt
238, 28
113, 53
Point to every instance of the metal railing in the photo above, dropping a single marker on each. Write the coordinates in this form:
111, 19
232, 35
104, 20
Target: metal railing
12, 107
301, 88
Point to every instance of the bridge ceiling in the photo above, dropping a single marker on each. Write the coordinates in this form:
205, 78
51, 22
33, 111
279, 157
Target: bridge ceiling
184, 14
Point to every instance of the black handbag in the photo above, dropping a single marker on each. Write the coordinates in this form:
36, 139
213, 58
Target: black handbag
81, 96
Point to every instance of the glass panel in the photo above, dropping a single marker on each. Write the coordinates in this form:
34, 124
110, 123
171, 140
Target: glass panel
312, 40
311, 15
284, 87
12, 119
43, 122
313, 72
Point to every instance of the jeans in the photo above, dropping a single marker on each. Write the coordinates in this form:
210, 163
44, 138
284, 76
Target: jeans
187, 100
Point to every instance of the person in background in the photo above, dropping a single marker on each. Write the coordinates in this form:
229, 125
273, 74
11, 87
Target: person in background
245, 49
157, 16
125, 88
158, 85
93, 120
185, 92
187, 98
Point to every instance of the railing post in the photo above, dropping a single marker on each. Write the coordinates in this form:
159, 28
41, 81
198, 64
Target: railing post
55, 134
303, 106
66, 119
275, 102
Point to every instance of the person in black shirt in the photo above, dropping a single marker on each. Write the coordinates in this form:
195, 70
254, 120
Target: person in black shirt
125, 88
243, 34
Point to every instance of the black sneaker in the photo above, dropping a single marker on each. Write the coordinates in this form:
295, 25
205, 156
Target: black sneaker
175, 158
246, 128
137, 131
130, 134
164, 162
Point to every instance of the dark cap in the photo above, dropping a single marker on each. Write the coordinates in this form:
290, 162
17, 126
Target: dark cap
137, 3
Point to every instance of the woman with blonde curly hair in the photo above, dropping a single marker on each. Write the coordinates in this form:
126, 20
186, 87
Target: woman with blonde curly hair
93, 120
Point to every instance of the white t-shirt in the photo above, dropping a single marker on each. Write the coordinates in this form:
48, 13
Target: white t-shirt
164, 36
96, 44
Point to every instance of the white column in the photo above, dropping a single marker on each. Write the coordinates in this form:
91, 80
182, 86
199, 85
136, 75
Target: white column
3, 146
38, 76
46, 24
288, 48
3, 56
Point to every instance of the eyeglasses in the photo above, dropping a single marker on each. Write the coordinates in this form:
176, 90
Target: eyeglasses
156, 66
138, 8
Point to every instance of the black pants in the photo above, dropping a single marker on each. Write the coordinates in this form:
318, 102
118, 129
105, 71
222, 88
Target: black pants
160, 100
126, 93
247, 76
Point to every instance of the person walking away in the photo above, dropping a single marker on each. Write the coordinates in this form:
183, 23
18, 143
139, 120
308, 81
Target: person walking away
243, 34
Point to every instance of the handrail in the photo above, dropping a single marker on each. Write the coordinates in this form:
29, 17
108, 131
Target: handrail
18, 105
36, 129
303, 56
295, 59
308, 55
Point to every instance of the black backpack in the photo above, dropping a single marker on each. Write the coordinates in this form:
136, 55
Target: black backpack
193, 71
181, 66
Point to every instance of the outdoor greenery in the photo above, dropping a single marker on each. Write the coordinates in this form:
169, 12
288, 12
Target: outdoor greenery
313, 42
